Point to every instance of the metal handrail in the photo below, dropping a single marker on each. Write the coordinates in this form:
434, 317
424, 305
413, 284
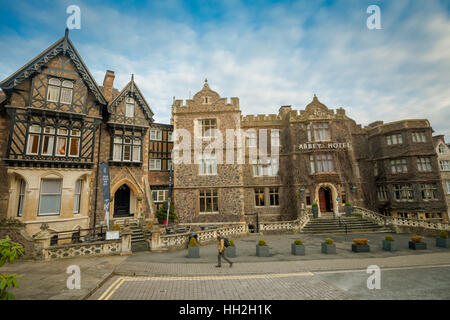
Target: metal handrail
344, 223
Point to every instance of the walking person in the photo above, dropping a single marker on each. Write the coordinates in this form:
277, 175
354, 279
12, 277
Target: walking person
221, 250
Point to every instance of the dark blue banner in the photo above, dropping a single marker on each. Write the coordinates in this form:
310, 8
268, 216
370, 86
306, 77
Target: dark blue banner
106, 193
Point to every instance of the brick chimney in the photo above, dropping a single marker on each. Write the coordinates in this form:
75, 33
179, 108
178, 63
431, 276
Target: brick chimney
108, 83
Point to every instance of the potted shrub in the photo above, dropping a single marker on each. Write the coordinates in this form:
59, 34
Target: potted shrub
443, 240
348, 209
360, 245
193, 249
328, 246
389, 244
139, 198
230, 251
416, 243
315, 208
262, 249
297, 248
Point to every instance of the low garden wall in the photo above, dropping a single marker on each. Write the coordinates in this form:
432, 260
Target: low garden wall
277, 227
112, 247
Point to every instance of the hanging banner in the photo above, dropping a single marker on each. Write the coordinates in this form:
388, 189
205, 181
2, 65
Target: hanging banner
106, 194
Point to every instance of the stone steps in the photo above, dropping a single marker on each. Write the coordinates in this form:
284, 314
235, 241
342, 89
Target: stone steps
326, 225
138, 242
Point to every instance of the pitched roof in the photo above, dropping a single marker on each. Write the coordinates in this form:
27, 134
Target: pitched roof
132, 87
62, 45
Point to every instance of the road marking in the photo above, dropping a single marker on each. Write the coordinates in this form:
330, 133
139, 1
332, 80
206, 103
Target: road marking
109, 288
385, 269
115, 289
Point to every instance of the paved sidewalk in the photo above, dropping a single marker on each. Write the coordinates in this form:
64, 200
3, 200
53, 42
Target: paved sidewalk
46, 280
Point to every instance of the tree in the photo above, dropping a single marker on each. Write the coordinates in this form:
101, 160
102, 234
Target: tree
161, 214
9, 251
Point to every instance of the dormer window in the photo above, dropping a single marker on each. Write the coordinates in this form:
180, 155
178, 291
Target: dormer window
60, 91
129, 108
441, 148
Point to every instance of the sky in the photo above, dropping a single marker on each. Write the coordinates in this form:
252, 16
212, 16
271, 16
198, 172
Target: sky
267, 53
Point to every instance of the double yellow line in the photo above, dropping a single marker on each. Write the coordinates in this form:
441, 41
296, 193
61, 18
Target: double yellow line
112, 289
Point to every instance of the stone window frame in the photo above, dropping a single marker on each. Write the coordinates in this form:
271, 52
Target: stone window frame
21, 197
50, 194
403, 192
424, 164
382, 193
213, 195
311, 131
78, 190
394, 139
444, 165
429, 191
154, 168
134, 144
157, 137
164, 192
274, 194
375, 169
419, 137
259, 202
447, 184
211, 128
268, 169
209, 163
399, 165
441, 148
321, 158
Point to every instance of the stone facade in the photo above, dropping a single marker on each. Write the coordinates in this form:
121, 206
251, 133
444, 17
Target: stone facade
443, 152
325, 157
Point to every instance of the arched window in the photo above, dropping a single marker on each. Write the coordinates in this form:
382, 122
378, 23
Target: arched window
22, 185
77, 196
66, 92
129, 108
53, 89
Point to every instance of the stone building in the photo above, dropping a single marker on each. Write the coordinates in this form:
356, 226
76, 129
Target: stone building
315, 155
443, 152
56, 127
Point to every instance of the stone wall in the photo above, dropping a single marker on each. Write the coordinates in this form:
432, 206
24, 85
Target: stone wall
112, 247
19, 235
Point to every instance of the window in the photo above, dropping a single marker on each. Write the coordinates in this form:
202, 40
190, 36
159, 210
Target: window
394, 139
375, 169
266, 168
50, 197
209, 201
154, 164
129, 108
126, 149
169, 165
275, 138
419, 137
399, 166
66, 92
441, 148
424, 164
74, 146
55, 87
321, 162
318, 131
382, 193
207, 128
251, 138
21, 198
259, 197
77, 196
447, 183
207, 163
429, 191
403, 192
445, 165
155, 134
160, 195
169, 136
61, 142
33, 139
274, 197
47, 141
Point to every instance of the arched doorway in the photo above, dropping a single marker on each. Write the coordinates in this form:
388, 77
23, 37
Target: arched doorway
325, 200
122, 201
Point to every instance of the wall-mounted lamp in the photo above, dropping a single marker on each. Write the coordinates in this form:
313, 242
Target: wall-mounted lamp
353, 188
302, 190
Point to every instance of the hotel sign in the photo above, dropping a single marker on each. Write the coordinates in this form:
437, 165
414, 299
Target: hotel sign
326, 145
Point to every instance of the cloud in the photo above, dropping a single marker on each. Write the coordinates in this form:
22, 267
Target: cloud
268, 54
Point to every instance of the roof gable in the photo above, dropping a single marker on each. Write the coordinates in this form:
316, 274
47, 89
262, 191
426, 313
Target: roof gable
65, 46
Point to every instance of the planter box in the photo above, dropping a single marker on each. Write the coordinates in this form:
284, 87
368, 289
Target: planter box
230, 252
360, 247
443, 243
389, 245
348, 211
262, 251
417, 246
194, 252
328, 248
298, 250
315, 212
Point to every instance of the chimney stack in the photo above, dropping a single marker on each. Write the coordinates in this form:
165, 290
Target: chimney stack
108, 83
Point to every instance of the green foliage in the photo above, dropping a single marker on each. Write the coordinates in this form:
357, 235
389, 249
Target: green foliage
262, 243
231, 242
9, 251
361, 241
416, 239
298, 242
161, 214
329, 241
193, 242
389, 238
315, 205
443, 235
11, 222
348, 204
